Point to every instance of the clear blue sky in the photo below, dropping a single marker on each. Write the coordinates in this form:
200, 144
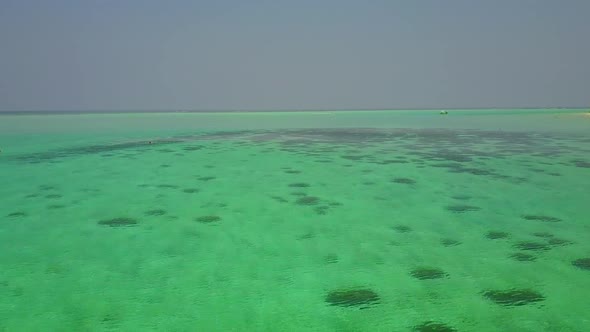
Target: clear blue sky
301, 54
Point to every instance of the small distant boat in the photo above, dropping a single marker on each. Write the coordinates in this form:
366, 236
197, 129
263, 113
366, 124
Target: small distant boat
443, 112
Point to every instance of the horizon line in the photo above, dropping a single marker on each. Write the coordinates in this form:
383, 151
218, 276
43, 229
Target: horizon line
283, 110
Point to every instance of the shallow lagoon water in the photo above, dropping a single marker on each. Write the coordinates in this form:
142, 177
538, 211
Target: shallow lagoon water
302, 221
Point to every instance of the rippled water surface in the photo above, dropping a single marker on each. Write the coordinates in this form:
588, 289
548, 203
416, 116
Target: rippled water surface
304, 221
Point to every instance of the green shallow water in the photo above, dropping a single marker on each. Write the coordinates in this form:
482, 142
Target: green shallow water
304, 221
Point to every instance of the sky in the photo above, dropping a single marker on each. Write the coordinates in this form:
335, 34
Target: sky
301, 54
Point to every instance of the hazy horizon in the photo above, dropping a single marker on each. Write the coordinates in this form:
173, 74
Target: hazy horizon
286, 110
286, 55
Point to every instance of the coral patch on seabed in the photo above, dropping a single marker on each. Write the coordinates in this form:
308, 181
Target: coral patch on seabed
433, 327
532, 246
299, 185
462, 208
450, 242
582, 263
307, 200
540, 218
118, 222
513, 297
155, 212
403, 181
426, 273
402, 228
494, 235
18, 214
361, 298
208, 219
523, 257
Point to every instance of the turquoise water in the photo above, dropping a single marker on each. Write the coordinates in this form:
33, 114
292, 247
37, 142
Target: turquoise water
303, 221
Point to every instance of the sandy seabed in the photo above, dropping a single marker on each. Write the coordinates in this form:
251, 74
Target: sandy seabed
314, 229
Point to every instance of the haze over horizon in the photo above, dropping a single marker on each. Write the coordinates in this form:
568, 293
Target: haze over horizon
287, 55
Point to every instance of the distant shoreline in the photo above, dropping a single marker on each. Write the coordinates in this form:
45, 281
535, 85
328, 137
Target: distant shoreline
73, 112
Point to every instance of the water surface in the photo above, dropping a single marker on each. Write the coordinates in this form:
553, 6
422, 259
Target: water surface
303, 221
